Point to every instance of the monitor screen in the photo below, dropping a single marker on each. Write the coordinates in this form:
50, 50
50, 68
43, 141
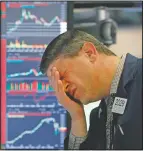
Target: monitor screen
31, 117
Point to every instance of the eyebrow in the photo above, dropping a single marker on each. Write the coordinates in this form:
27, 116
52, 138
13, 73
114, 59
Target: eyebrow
62, 76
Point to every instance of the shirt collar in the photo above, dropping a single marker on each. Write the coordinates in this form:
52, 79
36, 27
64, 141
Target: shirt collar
117, 75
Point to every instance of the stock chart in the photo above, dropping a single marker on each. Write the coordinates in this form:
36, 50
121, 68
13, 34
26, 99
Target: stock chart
31, 116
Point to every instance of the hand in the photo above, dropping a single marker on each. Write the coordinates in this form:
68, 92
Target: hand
76, 110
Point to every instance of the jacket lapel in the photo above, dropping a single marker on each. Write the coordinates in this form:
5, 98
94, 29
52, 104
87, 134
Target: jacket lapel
127, 76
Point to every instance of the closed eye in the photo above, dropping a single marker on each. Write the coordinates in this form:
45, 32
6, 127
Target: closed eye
65, 82
67, 86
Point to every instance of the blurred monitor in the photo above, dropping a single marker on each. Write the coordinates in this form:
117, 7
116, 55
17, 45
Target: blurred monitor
31, 117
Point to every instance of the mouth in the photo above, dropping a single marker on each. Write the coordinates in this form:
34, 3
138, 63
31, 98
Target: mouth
72, 95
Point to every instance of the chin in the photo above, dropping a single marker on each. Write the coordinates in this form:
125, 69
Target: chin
85, 101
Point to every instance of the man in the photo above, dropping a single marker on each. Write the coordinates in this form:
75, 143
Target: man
82, 70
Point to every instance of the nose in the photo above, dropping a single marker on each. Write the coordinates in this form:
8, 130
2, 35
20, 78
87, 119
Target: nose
72, 89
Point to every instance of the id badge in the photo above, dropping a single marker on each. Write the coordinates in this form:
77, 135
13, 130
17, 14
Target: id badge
119, 105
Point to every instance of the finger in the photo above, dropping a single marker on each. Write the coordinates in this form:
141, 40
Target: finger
53, 78
61, 87
50, 80
56, 80
53, 70
63, 99
60, 90
50, 83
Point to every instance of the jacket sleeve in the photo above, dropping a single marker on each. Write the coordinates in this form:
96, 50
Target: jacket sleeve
87, 143
96, 134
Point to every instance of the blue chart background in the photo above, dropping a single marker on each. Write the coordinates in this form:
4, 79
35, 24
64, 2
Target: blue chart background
28, 104
48, 13
43, 136
25, 66
31, 34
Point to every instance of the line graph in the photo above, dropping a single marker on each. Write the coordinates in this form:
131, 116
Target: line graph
32, 102
41, 98
30, 72
24, 68
35, 97
29, 132
48, 129
32, 24
27, 15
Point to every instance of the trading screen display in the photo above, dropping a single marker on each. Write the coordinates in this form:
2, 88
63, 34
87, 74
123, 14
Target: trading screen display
31, 117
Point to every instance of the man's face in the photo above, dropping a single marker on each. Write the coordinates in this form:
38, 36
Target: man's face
79, 77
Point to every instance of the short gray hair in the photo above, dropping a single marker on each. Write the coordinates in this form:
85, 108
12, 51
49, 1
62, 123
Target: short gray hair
68, 44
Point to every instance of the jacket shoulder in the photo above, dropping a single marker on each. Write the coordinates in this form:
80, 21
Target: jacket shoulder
94, 111
94, 114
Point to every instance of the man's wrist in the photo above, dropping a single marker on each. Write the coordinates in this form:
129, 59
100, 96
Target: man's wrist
78, 117
78, 137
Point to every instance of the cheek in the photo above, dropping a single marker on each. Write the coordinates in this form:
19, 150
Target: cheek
81, 90
81, 79
91, 85
79, 84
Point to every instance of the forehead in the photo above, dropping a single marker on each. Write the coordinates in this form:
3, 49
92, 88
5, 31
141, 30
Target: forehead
60, 64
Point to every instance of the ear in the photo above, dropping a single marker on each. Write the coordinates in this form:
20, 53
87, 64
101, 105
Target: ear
90, 50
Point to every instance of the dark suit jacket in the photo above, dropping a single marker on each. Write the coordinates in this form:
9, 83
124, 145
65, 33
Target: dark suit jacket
130, 87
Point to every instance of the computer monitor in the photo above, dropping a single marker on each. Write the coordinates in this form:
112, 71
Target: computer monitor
31, 117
